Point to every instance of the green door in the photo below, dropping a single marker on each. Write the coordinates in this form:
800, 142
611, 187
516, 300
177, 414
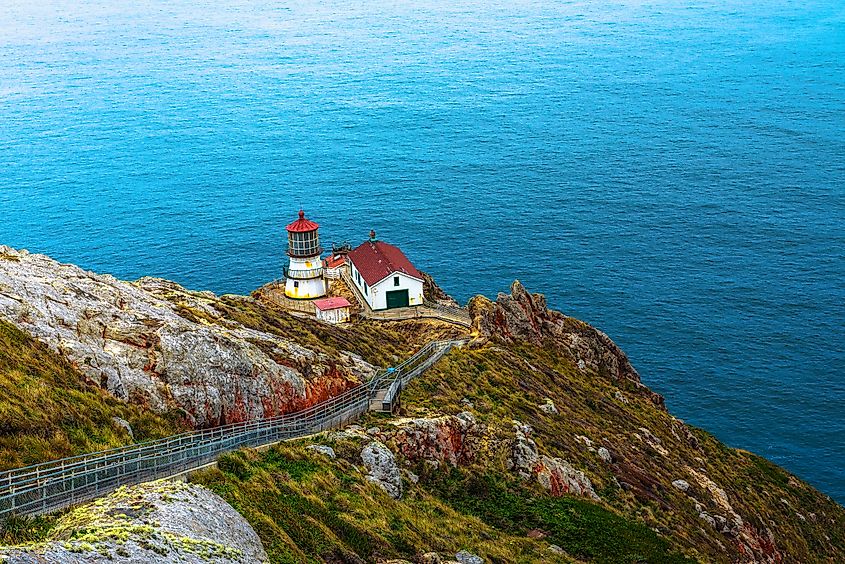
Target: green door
397, 298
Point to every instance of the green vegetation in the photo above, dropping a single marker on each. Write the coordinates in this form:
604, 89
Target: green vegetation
308, 508
584, 529
380, 343
48, 411
511, 382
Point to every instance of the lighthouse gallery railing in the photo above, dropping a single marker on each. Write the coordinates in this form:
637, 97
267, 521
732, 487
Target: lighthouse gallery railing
55, 485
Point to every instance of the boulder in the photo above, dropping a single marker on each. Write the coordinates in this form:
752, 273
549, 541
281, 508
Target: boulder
548, 407
166, 522
682, 485
524, 456
382, 467
605, 455
124, 424
560, 477
465, 557
453, 439
554, 474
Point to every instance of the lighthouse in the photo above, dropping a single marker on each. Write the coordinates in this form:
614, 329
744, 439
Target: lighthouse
304, 275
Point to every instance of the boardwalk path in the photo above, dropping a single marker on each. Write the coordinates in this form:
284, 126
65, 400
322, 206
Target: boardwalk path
55, 485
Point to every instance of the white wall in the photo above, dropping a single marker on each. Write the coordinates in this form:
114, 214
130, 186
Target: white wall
339, 315
376, 295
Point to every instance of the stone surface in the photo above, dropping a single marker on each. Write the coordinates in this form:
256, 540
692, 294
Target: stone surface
554, 474
163, 522
124, 424
137, 341
453, 439
383, 471
682, 485
548, 407
605, 455
323, 449
465, 557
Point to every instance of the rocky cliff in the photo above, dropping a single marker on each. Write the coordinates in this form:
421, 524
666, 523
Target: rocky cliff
535, 442
156, 344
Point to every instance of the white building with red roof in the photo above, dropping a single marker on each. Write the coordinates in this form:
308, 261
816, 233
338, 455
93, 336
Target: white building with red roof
385, 276
332, 310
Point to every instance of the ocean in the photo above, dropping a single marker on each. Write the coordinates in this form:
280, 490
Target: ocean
671, 172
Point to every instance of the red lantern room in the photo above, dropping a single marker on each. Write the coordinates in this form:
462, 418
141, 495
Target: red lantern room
303, 238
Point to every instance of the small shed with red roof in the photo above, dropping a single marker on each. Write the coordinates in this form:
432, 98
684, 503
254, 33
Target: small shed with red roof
385, 276
332, 310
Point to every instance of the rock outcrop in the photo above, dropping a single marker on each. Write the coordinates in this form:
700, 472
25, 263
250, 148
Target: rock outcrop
129, 339
522, 316
435, 293
165, 522
556, 475
382, 467
452, 439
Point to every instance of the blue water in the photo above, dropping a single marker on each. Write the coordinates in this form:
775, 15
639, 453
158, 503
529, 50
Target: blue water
672, 172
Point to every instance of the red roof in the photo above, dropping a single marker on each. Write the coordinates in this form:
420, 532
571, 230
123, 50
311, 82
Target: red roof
376, 260
302, 225
331, 303
334, 261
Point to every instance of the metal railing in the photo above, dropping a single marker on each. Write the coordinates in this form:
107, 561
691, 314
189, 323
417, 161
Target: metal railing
275, 292
307, 274
50, 486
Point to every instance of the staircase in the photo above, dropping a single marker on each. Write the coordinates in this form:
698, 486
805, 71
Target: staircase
51, 486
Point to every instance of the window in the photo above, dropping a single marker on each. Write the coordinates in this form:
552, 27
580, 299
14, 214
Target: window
395, 280
365, 289
295, 284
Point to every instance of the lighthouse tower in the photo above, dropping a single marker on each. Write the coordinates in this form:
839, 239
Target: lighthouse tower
304, 275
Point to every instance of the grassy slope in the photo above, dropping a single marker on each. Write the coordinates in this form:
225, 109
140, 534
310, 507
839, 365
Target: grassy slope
305, 505
509, 383
47, 411
308, 508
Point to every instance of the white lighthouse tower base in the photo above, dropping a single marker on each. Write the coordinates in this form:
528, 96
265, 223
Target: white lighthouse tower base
304, 279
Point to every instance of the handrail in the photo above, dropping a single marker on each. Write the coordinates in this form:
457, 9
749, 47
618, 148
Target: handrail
49, 486
303, 274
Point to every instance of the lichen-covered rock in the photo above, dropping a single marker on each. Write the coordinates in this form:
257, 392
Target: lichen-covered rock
137, 341
605, 455
382, 467
124, 424
522, 316
559, 477
166, 522
548, 407
682, 485
524, 456
466, 557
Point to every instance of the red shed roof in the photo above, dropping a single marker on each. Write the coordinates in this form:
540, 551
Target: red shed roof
376, 260
334, 261
302, 225
331, 303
